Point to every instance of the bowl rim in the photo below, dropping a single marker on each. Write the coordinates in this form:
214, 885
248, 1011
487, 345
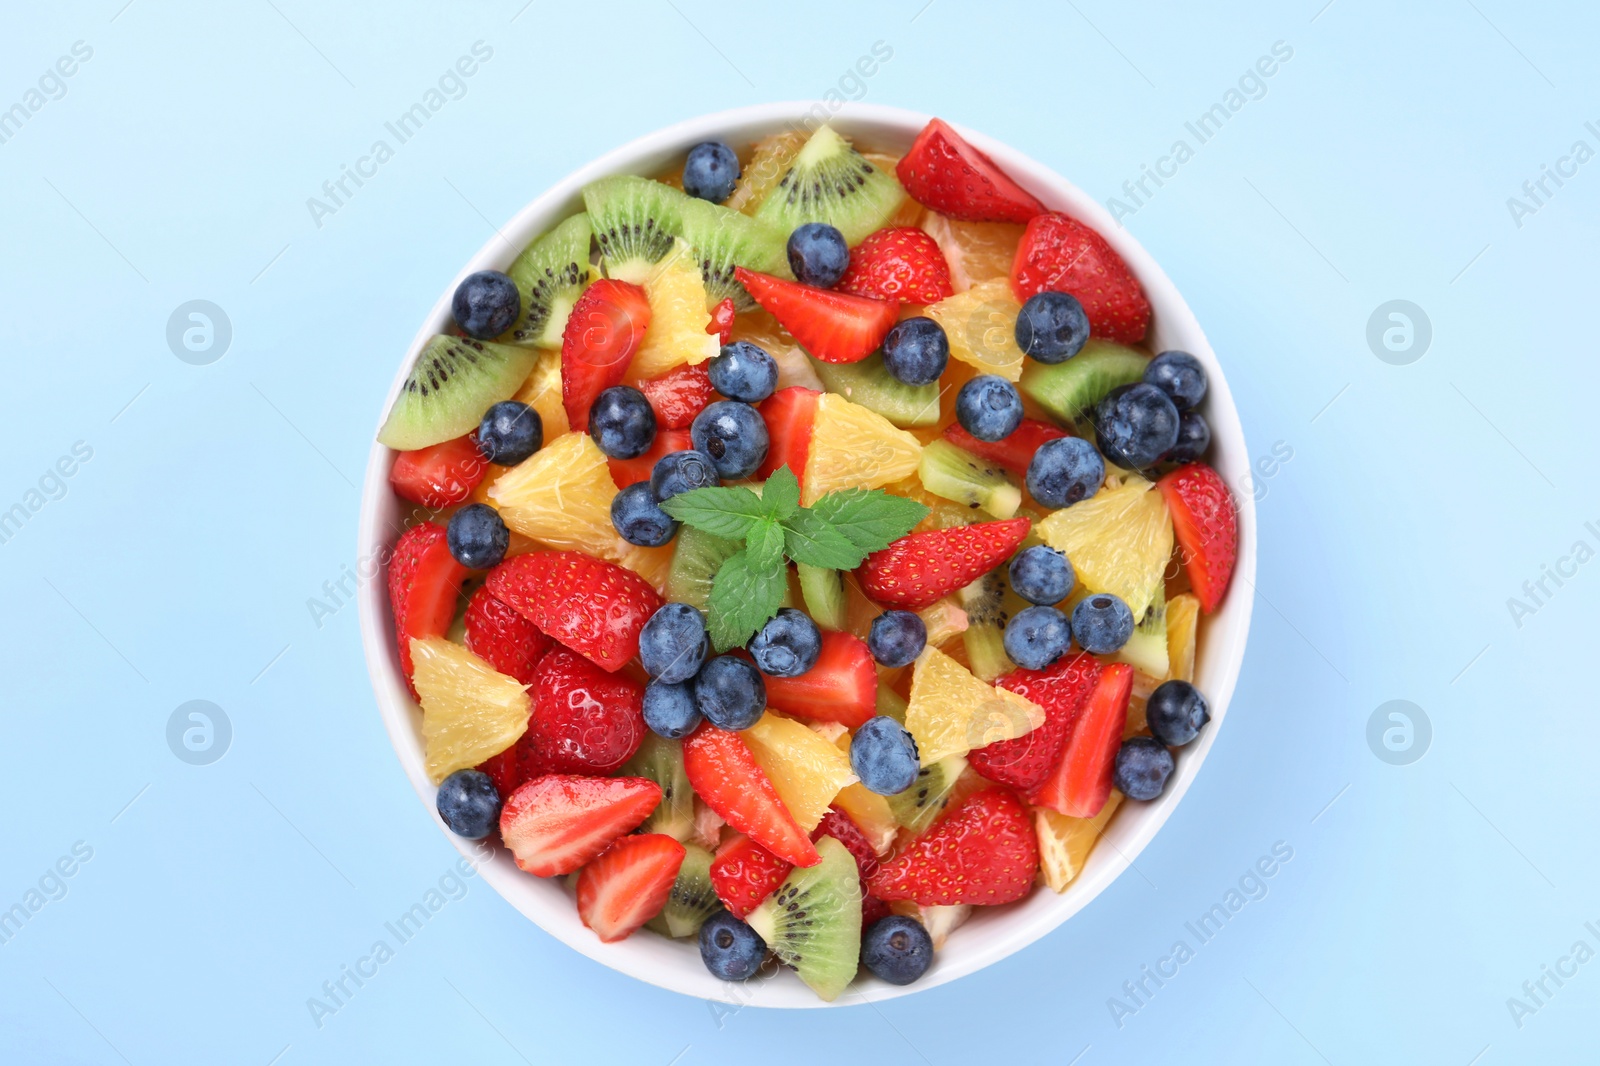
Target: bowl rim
675, 965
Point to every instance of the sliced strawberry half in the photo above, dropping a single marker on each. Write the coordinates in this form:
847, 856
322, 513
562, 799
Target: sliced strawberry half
919, 568
900, 263
722, 772
744, 873
606, 327
836, 327
1059, 253
1062, 689
628, 884
627, 472
678, 395
1205, 521
944, 172
593, 607
984, 852
440, 475
842, 687
1080, 784
558, 822
722, 316
424, 581
1014, 452
498, 634
789, 414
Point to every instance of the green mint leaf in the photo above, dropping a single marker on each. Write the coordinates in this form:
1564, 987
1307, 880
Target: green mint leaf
723, 512
764, 545
742, 599
781, 493
869, 519
809, 538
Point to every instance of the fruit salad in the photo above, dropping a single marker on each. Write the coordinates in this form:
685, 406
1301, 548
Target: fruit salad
807, 549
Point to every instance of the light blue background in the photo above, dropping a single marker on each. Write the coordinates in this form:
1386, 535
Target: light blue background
219, 499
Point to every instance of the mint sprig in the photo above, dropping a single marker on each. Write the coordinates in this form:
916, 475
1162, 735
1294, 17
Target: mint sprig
836, 532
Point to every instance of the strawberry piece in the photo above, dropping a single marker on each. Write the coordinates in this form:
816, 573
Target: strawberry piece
722, 772
837, 824
873, 909
919, 568
503, 638
585, 720
558, 822
627, 472
1062, 689
606, 327
512, 768
424, 581
744, 873
1080, 784
722, 316
1205, 522
836, 327
439, 475
983, 852
593, 607
1014, 452
1062, 254
628, 884
789, 414
842, 687
678, 395
944, 172
901, 263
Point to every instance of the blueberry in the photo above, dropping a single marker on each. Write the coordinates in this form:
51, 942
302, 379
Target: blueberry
916, 351
1101, 623
622, 422
818, 255
1052, 327
682, 471
731, 950
741, 371
897, 949
510, 432
1064, 471
733, 435
1041, 574
1142, 768
673, 644
1194, 437
788, 645
1037, 636
1136, 425
669, 709
477, 537
711, 171
896, 638
730, 693
988, 407
639, 519
884, 756
469, 804
486, 304
1180, 376
1176, 712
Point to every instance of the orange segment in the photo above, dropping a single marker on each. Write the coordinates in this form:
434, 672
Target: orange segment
470, 711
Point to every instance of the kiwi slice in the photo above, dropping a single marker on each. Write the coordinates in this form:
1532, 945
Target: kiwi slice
661, 761
695, 560
984, 637
919, 805
635, 222
692, 900
455, 380
1146, 650
958, 475
891, 703
870, 384
823, 592
832, 182
1070, 390
812, 922
724, 239
550, 273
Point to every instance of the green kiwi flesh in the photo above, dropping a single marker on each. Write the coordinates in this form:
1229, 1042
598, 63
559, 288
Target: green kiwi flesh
917, 807
635, 222
692, 900
453, 382
724, 239
823, 592
696, 557
1070, 390
550, 274
661, 760
870, 384
984, 637
812, 922
961, 477
1146, 650
831, 182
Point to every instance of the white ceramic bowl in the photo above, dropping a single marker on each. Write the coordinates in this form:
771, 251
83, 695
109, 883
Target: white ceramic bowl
991, 934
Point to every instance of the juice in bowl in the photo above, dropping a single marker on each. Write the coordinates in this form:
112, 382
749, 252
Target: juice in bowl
808, 556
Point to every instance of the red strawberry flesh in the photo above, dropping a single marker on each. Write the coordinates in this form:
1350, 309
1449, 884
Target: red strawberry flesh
1080, 783
984, 852
593, 607
727, 777
557, 823
835, 327
842, 687
1205, 522
440, 475
1062, 689
1061, 254
944, 172
919, 568
585, 720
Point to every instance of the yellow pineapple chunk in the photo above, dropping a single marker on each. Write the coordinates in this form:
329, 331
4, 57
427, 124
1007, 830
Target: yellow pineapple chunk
977, 252
951, 712
852, 447
1119, 541
469, 710
1065, 843
678, 318
981, 324
542, 392
1183, 619
561, 496
805, 767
